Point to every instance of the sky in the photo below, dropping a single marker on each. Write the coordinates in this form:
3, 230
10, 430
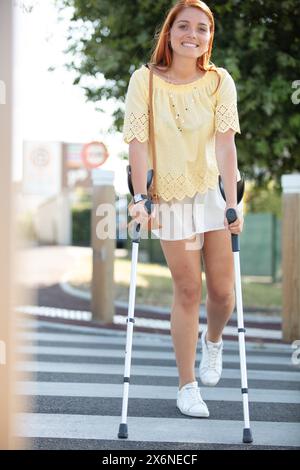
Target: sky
47, 106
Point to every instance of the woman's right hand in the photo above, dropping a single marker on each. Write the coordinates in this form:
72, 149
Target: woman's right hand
139, 213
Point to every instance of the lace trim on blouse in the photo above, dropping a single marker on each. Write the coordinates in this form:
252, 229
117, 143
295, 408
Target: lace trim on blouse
168, 185
227, 118
137, 128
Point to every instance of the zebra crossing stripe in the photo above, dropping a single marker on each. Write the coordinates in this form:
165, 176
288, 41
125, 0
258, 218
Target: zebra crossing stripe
150, 392
162, 429
119, 353
160, 371
150, 323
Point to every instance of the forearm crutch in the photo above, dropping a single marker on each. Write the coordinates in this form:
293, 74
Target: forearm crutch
231, 216
123, 428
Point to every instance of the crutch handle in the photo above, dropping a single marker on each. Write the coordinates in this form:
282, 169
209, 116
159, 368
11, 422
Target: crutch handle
231, 217
136, 228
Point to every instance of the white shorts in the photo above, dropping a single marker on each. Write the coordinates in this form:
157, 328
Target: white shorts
192, 215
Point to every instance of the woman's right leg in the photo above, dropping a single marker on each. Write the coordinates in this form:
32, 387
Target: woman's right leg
185, 267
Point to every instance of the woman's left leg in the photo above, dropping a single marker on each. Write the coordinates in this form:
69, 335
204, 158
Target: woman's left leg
219, 272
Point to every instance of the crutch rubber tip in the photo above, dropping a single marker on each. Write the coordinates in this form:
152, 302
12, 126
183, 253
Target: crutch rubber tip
123, 431
247, 436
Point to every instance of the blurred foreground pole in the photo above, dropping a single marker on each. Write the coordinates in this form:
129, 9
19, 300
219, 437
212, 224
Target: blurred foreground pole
291, 257
103, 243
6, 232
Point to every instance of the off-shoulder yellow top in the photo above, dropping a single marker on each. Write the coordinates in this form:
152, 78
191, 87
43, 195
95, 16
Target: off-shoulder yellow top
186, 118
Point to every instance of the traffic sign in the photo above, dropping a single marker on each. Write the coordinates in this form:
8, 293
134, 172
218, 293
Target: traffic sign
94, 154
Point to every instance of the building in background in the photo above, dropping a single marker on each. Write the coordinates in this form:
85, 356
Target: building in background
52, 174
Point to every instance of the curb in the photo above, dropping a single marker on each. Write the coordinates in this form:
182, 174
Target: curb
248, 314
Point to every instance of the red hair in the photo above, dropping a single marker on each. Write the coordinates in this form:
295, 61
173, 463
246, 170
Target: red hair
162, 53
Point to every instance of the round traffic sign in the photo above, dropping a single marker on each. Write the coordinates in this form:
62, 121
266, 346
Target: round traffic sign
94, 154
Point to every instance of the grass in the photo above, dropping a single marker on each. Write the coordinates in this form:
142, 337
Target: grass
154, 285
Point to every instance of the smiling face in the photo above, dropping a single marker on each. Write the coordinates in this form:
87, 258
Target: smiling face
190, 33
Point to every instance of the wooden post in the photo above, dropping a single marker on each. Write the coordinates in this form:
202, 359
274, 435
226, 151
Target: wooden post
291, 257
103, 238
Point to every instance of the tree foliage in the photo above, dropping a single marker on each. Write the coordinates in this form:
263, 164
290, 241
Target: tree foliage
256, 40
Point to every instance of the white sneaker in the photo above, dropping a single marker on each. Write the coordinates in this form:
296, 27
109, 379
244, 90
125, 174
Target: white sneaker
210, 368
189, 401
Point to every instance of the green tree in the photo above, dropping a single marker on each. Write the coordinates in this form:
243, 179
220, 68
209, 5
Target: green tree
263, 199
256, 40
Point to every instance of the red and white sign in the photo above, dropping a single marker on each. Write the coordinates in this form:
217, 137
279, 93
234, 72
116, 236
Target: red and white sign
94, 154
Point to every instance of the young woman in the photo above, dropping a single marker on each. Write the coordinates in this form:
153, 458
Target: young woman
195, 120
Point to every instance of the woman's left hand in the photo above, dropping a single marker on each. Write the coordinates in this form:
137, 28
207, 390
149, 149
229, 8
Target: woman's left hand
237, 226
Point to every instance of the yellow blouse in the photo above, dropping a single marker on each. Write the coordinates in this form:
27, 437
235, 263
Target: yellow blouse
186, 118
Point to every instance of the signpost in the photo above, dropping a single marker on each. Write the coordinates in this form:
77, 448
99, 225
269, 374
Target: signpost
103, 232
291, 257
